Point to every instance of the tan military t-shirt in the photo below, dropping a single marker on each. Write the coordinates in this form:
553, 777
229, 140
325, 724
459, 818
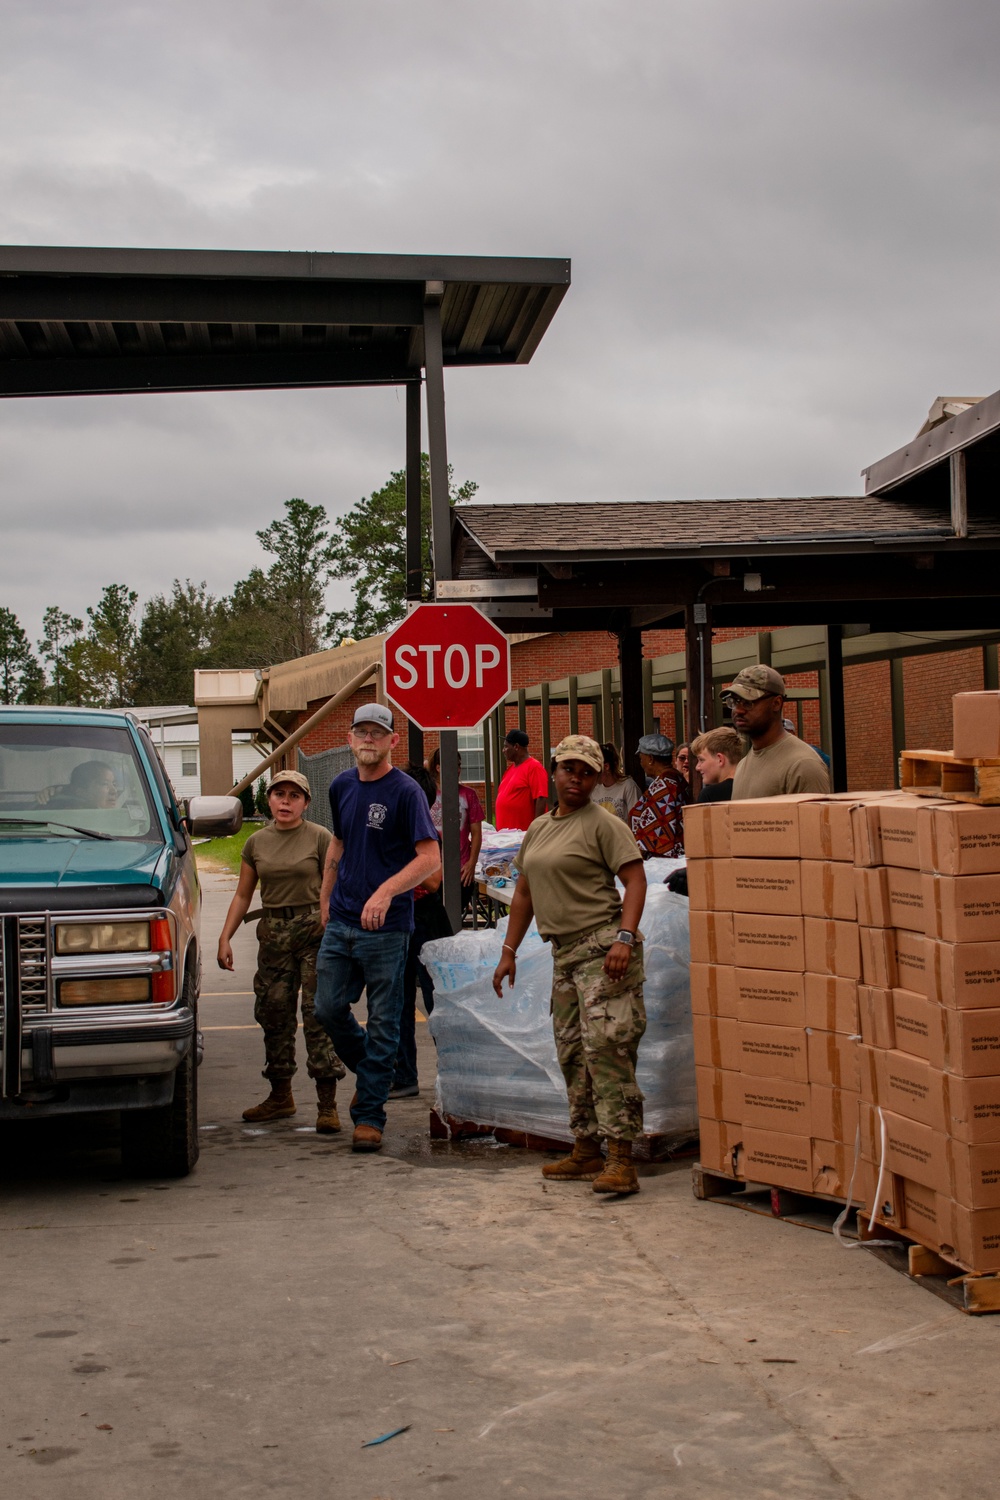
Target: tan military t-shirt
789, 766
289, 863
570, 864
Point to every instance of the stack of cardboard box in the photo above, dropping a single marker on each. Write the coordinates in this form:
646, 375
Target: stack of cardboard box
930, 1024
775, 967
845, 982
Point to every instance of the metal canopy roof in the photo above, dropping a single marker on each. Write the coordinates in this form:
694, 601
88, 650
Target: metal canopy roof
91, 321
922, 466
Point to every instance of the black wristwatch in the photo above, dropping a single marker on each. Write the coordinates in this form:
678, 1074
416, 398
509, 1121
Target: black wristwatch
623, 936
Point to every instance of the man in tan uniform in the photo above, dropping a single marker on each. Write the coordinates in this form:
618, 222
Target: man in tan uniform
778, 762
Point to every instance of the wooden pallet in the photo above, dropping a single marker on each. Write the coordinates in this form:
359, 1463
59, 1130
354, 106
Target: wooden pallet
938, 773
449, 1128
961, 1289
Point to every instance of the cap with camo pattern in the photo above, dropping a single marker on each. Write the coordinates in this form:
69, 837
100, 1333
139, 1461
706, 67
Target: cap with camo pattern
580, 747
756, 682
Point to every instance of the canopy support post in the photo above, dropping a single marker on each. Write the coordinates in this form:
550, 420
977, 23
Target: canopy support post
631, 677
414, 537
437, 446
832, 680
698, 671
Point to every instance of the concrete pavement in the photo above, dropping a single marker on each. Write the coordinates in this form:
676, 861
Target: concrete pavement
244, 1331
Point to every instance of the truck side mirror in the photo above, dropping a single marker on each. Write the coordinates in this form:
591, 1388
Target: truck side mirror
213, 817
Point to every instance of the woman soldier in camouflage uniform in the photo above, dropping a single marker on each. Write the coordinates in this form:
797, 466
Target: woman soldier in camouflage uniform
568, 862
287, 856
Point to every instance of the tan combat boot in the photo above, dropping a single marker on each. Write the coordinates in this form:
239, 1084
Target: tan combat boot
619, 1174
327, 1118
278, 1104
583, 1165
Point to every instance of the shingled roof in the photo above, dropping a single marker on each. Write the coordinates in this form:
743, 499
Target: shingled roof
634, 529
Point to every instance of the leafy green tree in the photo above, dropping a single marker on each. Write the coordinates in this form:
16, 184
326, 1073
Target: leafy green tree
176, 635
256, 624
105, 657
21, 677
370, 552
300, 542
61, 630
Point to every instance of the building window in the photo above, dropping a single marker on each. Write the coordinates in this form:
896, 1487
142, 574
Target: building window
189, 762
470, 748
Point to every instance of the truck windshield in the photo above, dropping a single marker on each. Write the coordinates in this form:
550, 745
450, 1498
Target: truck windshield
64, 776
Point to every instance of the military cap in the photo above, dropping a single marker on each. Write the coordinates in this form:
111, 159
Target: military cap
756, 682
580, 747
294, 778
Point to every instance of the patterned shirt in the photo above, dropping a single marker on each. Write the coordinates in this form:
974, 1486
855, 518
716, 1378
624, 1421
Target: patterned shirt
657, 817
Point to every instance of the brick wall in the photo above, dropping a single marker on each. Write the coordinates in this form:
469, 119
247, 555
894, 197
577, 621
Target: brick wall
868, 715
929, 682
928, 685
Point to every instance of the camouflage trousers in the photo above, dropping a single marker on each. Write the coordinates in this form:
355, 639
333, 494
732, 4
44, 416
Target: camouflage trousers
598, 1025
286, 964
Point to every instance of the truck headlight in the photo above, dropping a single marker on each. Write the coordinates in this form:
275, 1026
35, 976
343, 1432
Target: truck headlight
102, 937
104, 991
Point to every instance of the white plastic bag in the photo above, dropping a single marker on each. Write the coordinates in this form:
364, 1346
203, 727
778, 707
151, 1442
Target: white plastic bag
497, 1058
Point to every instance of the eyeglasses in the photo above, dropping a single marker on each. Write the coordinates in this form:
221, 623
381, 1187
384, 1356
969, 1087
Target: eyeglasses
731, 699
370, 734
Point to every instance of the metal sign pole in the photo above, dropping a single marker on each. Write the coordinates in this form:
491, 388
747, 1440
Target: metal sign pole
441, 537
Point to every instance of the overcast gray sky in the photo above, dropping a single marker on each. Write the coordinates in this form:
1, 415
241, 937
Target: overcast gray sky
782, 217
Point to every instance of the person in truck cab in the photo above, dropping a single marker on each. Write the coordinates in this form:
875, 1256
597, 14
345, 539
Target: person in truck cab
91, 784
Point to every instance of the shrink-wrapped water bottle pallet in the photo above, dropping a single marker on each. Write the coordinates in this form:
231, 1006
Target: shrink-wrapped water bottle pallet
448, 1128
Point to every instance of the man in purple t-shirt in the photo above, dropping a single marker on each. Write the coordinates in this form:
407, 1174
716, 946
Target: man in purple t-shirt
383, 845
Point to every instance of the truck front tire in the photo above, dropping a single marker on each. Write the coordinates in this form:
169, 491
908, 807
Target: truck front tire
164, 1142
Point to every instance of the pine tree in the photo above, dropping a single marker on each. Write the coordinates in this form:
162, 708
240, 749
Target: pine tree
61, 630
370, 551
21, 677
176, 635
106, 656
300, 542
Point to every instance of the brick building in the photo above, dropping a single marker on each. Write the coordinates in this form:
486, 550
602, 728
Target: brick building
928, 682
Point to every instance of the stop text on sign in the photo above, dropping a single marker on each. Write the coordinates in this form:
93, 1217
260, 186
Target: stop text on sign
457, 664
447, 666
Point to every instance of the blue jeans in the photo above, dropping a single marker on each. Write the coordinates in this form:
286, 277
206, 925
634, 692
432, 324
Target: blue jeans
406, 1059
351, 960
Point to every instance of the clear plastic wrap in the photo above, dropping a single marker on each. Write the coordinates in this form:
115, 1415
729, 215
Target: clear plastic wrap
497, 1058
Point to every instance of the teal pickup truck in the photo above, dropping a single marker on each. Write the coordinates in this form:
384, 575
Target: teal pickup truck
100, 950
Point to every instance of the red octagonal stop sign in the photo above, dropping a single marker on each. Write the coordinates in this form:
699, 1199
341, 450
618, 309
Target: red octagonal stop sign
447, 666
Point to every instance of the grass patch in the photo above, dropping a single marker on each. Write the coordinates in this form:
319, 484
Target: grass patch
224, 854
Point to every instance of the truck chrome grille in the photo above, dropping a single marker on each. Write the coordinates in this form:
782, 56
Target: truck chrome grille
33, 963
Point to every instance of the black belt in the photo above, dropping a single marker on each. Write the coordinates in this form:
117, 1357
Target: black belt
283, 913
